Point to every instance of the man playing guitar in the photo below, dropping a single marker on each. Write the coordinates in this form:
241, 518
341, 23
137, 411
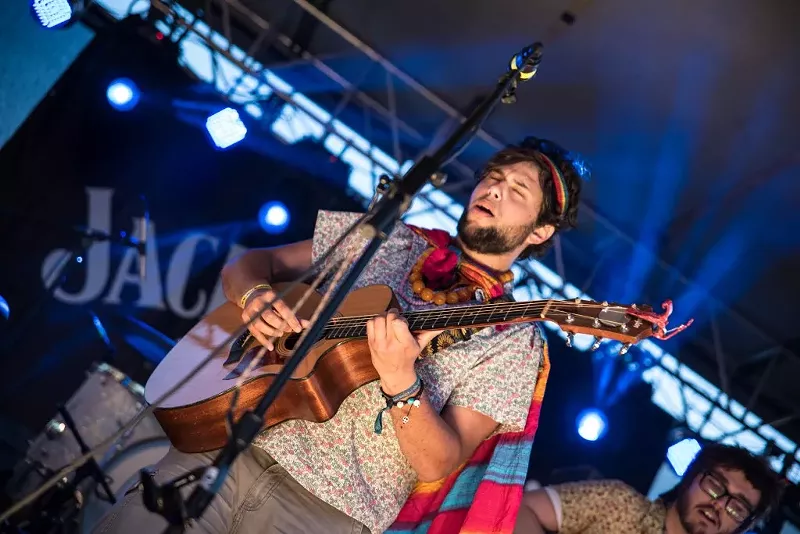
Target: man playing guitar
434, 402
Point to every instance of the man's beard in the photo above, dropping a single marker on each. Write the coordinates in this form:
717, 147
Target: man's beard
492, 239
684, 510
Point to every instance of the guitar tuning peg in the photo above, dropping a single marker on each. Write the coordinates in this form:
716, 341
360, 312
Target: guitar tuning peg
596, 344
624, 349
570, 339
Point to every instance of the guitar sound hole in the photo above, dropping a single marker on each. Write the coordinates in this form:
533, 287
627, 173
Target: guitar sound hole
291, 341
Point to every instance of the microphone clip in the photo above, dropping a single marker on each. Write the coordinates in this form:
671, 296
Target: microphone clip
165, 499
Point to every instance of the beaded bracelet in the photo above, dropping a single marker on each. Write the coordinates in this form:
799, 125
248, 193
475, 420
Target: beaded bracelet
410, 397
252, 290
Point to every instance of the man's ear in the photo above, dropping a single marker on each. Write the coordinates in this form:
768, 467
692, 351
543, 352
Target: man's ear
541, 234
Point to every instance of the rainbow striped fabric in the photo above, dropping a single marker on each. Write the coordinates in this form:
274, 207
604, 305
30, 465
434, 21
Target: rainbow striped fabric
484, 494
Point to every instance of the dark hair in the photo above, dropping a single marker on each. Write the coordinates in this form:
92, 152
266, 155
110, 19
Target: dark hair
756, 470
530, 150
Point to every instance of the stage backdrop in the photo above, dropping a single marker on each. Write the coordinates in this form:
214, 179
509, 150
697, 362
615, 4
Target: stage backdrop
76, 162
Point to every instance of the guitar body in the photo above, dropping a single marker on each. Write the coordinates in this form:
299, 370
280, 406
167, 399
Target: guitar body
194, 416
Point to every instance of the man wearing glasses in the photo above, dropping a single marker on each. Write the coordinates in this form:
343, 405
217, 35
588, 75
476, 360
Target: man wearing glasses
724, 491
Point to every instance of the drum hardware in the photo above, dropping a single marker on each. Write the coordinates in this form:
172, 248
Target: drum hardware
91, 464
107, 400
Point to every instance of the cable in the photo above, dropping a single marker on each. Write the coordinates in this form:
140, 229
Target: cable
75, 464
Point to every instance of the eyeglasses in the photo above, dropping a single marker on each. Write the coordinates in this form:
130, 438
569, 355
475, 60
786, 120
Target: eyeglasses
736, 507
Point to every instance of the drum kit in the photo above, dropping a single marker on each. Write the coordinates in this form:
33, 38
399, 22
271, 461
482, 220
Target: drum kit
105, 402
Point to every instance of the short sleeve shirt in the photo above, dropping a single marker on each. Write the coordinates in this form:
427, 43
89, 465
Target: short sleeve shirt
604, 506
365, 475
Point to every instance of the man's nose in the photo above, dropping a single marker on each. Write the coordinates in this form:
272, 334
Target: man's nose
495, 191
718, 504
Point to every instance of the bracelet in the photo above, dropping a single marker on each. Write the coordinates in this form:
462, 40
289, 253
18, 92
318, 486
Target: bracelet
391, 400
410, 397
252, 290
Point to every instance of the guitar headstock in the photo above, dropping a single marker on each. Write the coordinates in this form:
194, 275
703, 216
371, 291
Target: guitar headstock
604, 320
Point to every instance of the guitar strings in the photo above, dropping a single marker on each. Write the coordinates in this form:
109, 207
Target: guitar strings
532, 307
552, 313
481, 308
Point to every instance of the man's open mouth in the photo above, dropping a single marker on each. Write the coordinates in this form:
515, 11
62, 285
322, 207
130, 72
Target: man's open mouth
483, 209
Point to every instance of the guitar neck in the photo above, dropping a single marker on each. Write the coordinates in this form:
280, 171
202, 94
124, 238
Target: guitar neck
455, 317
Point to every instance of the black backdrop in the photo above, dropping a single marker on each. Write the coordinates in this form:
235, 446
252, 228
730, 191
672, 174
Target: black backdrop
77, 161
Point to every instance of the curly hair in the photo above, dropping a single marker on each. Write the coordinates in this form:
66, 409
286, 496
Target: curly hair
756, 470
530, 150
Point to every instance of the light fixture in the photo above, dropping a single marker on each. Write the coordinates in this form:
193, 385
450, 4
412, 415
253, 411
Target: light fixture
591, 424
226, 128
273, 217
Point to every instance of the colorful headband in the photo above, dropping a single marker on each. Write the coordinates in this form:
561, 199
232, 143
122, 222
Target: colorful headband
559, 184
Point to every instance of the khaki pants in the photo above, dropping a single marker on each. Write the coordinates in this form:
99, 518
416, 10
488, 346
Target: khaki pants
258, 496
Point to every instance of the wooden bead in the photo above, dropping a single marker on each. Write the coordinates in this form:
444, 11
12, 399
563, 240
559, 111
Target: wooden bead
418, 286
464, 294
439, 298
426, 294
414, 276
507, 277
452, 297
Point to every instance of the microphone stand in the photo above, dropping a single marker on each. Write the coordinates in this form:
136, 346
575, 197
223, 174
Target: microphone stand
165, 499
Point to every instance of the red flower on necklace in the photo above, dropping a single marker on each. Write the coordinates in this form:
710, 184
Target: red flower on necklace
439, 268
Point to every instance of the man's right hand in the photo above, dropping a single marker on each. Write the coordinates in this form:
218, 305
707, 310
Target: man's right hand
274, 322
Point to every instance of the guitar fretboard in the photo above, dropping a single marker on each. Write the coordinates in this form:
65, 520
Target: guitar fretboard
446, 318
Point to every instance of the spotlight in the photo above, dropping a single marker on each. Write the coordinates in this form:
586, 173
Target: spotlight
226, 128
56, 13
122, 94
591, 424
681, 454
273, 217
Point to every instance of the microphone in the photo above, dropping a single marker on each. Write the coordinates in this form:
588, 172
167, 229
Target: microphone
527, 61
144, 224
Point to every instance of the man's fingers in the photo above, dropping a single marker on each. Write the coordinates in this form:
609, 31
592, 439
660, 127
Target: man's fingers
255, 332
370, 333
286, 313
267, 330
402, 333
423, 338
261, 338
276, 321
379, 328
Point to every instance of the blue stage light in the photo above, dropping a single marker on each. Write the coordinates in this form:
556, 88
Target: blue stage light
273, 217
591, 424
122, 94
226, 128
682, 453
52, 13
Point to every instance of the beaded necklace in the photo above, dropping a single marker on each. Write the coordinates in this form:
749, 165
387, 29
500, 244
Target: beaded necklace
443, 275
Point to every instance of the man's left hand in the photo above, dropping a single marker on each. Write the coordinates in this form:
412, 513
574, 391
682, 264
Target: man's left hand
394, 350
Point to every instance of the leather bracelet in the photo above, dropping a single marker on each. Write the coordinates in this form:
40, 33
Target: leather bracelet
391, 400
412, 400
249, 292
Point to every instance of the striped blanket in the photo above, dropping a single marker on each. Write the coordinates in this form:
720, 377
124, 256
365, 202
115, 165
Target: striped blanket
485, 493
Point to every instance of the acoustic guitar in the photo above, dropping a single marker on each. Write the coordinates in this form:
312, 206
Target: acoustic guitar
194, 416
